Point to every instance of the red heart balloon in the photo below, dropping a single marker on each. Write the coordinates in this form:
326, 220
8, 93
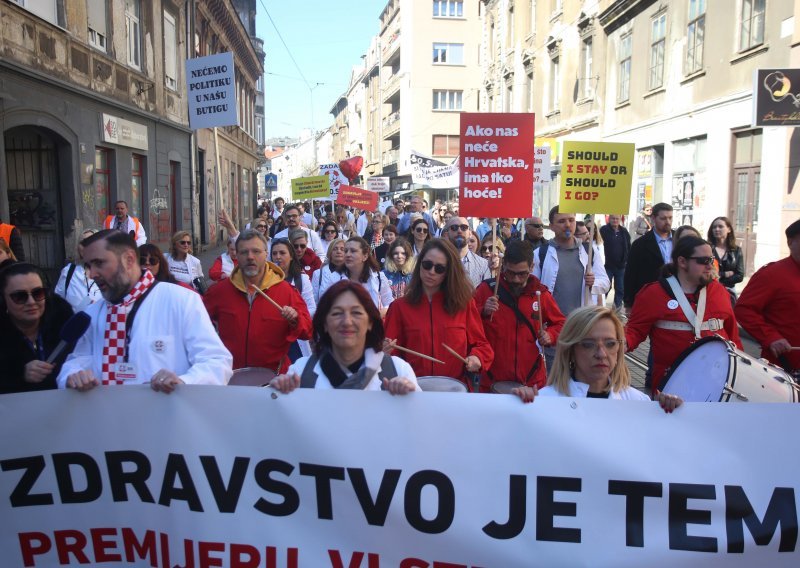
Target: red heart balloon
351, 167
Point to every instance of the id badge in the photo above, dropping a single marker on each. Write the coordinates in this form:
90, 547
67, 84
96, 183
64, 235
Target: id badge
126, 372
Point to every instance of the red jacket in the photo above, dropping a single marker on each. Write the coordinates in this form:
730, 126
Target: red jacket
768, 308
515, 349
215, 272
257, 335
310, 262
666, 345
425, 326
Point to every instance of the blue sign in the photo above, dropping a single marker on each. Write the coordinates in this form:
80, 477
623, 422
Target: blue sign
271, 181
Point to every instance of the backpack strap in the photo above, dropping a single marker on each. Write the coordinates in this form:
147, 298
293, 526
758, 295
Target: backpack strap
70, 273
388, 370
506, 298
308, 379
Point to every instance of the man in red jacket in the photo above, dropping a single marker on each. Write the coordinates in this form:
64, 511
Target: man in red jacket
513, 333
256, 332
767, 308
660, 308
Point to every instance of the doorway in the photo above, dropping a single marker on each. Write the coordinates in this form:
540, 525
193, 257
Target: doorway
745, 189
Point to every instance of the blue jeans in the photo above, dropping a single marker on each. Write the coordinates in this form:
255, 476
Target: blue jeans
617, 277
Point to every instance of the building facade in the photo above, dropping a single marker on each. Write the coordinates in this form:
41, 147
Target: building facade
93, 110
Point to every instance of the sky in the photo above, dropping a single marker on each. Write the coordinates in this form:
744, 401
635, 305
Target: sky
326, 38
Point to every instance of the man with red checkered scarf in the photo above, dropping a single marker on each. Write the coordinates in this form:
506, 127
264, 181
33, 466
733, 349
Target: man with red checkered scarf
145, 331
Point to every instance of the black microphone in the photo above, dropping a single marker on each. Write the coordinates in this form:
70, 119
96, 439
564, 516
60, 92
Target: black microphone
70, 333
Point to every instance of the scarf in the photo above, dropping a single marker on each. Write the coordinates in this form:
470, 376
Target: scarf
338, 376
377, 240
115, 339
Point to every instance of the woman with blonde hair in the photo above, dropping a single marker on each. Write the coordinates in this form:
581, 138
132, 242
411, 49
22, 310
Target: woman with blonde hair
494, 259
330, 272
590, 360
183, 265
399, 266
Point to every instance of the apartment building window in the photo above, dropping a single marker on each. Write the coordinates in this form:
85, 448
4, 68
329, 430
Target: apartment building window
133, 32
751, 28
555, 83
448, 8
585, 90
624, 79
448, 53
696, 33
658, 33
97, 23
50, 10
170, 52
446, 144
447, 100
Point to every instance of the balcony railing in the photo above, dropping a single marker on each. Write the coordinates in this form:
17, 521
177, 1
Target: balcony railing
391, 46
391, 86
391, 124
391, 156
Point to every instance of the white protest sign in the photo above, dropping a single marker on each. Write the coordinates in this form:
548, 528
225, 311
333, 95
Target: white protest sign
191, 479
541, 165
433, 173
336, 177
211, 88
378, 184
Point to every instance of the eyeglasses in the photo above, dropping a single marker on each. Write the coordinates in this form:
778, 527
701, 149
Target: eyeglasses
20, 297
437, 268
592, 344
455, 228
706, 260
420, 230
535, 225
148, 261
187, 243
513, 274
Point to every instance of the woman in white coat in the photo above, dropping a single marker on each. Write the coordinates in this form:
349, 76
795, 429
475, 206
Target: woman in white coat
348, 335
183, 265
361, 267
283, 255
74, 284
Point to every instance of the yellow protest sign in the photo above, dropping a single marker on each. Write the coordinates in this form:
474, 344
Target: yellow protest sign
596, 177
314, 187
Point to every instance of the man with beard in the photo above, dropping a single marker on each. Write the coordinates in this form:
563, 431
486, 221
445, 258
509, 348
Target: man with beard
456, 230
511, 321
251, 327
144, 331
681, 307
291, 219
125, 223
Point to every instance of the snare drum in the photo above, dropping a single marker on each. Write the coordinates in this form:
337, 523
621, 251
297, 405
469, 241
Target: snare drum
504, 387
440, 384
714, 370
252, 377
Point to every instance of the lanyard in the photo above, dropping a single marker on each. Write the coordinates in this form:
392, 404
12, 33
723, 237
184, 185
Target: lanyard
130, 318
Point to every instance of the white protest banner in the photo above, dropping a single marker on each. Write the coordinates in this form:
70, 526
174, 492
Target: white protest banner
433, 173
334, 173
378, 184
541, 165
211, 88
240, 476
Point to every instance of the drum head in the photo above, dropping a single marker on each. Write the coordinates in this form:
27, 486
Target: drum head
440, 384
251, 377
701, 372
504, 387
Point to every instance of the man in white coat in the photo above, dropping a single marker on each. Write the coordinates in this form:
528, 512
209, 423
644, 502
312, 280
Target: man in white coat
291, 219
125, 223
144, 331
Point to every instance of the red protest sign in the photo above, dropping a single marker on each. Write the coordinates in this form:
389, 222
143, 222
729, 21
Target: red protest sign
363, 199
496, 165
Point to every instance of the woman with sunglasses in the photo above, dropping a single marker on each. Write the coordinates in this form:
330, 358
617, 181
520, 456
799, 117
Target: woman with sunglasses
399, 267
420, 234
496, 259
151, 258
308, 259
328, 234
330, 272
666, 310
438, 309
590, 360
74, 284
30, 322
283, 255
361, 267
183, 265
225, 263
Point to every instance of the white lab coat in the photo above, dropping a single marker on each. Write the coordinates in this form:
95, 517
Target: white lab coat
378, 286
171, 331
82, 290
549, 272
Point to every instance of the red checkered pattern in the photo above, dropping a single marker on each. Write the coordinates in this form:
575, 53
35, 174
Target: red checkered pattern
114, 338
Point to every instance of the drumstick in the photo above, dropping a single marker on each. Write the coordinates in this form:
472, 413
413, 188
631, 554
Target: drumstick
418, 354
539, 304
491, 259
794, 348
454, 353
271, 301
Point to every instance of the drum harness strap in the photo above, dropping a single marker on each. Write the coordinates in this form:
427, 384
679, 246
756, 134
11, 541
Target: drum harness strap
696, 323
308, 379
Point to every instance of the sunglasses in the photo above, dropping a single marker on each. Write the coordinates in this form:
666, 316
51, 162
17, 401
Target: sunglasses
148, 261
437, 268
706, 260
457, 227
420, 230
20, 297
184, 242
261, 226
300, 247
331, 232
535, 225
486, 249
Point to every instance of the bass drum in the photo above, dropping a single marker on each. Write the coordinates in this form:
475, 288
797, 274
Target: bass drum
440, 384
714, 370
504, 387
252, 377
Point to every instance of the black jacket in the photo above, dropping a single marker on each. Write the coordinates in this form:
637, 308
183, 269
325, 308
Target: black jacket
614, 247
16, 352
644, 266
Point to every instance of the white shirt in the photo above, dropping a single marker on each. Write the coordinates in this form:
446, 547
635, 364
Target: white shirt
578, 389
372, 359
171, 331
82, 290
185, 270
